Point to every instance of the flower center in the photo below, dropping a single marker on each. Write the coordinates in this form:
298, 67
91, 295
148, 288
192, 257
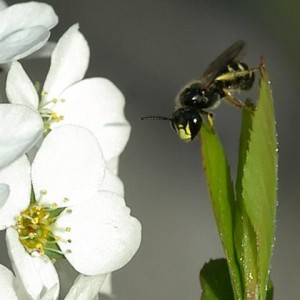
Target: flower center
46, 111
35, 226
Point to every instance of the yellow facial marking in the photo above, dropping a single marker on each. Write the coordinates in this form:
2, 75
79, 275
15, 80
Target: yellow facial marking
184, 133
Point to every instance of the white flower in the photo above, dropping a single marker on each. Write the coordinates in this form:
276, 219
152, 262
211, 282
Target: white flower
86, 287
4, 193
94, 103
3, 5
24, 29
35, 278
76, 205
20, 129
35, 286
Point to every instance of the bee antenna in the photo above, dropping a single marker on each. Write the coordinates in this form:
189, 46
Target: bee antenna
156, 118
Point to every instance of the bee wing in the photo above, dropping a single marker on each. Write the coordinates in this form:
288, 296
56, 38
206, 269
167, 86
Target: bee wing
218, 66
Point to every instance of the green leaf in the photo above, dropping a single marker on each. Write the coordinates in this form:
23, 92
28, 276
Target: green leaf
222, 198
270, 291
259, 182
215, 281
245, 238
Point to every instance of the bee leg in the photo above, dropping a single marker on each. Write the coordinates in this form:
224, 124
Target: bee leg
233, 74
236, 102
209, 118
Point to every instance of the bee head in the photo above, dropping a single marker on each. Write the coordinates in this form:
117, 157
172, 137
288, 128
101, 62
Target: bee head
187, 123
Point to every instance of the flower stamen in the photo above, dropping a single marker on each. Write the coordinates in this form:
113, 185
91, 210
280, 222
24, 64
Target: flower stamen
48, 115
36, 225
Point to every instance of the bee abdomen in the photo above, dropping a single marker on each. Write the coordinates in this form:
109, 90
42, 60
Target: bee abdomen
243, 77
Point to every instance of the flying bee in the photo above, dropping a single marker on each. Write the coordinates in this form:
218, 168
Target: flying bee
225, 75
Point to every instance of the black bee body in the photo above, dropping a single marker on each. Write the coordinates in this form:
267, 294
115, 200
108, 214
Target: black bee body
223, 76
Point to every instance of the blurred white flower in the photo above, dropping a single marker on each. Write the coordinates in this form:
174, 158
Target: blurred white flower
86, 287
21, 128
31, 284
37, 279
68, 202
95, 103
3, 5
24, 29
4, 192
34, 278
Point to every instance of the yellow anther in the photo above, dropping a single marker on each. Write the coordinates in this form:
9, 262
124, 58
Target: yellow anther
40, 249
35, 228
35, 208
54, 205
53, 115
57, 238
35, 221
68, 229
31, 235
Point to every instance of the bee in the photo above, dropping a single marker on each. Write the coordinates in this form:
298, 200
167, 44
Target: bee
225, 75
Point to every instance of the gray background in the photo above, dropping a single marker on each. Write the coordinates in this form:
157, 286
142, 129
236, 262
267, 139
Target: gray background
150, 48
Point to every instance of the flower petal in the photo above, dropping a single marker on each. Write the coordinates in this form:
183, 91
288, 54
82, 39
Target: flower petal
98, 105
3, 5
17, 177
114, 138
19, 88
22, 43
24, 15
113, 165
7, 287
67, 275
4, 193
112, 183
86, 287
52, 293
21, 128
36, 274
69, 164
106, 288
69, 63
44, 52
108, 238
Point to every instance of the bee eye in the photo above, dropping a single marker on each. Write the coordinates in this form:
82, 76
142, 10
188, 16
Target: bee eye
187, 123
